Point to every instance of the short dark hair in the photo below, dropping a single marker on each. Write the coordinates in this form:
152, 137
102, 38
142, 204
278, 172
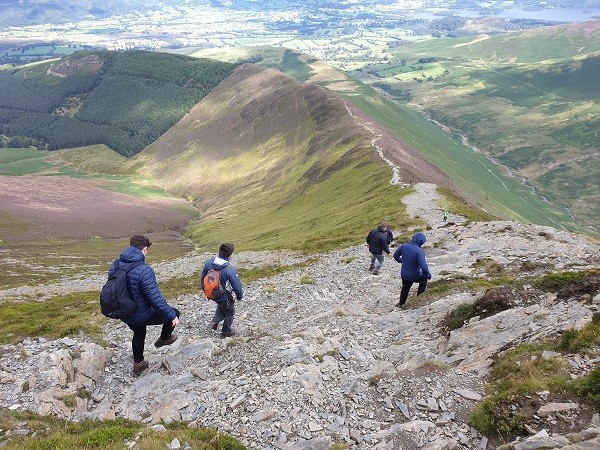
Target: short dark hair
139, 241
226, 249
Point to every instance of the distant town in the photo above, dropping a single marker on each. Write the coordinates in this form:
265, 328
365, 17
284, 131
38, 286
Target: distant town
334, 31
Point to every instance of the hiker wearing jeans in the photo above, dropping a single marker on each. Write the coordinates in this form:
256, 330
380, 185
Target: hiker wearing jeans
414, 266
377, 239
230, 283
152, 308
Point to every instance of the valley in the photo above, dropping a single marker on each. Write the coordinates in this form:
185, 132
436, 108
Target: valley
440, 60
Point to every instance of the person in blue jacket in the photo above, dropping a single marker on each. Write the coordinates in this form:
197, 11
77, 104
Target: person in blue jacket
152, 308
414, 266
230, 282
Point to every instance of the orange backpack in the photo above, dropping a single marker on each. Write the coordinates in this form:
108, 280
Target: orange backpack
212, 285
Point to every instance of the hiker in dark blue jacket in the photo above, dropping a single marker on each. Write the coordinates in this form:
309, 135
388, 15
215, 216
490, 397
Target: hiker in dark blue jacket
377, 239
152, 308
414, 266
230, 282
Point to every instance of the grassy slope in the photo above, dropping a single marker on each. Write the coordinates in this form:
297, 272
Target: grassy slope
475, 175
546, 78
478, 178
51, 249
274, 163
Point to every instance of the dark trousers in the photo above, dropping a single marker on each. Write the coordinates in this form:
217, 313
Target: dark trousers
406, 285
225, 312
139, 333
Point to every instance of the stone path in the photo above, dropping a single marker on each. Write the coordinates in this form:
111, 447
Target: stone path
322, 356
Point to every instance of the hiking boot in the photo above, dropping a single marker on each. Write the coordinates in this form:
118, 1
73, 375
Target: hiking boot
228, 334
214, 325
370, 269
138, 368
162, 342
376, 273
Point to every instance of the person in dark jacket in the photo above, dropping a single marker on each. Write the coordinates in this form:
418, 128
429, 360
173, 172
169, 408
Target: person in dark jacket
152, 308
230, 282
377, 239
414, 266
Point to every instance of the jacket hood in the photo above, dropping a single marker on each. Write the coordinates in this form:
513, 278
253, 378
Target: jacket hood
220, 263
418, 239
131, 255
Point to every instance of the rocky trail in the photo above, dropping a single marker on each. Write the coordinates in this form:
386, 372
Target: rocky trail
322, 355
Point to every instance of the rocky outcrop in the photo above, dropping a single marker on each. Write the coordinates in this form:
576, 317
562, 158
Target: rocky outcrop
322, 355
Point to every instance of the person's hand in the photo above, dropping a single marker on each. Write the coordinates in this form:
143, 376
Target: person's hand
175, 321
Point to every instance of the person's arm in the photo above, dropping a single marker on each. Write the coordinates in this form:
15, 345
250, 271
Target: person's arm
236, 283
384, 242
423, 265
398, 255
150, 290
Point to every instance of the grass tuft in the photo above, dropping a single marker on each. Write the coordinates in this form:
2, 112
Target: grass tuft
553, 282
51, 433
576, 341
457, 317
518, 375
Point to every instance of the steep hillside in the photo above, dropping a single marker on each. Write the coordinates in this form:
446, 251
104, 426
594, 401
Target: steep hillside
275, 163
528, 100
124, 100
481, 180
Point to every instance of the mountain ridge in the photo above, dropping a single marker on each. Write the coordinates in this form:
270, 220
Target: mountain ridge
259, 143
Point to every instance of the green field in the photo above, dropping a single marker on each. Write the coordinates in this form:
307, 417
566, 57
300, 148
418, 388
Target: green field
528, 100
473, 173
21, 161
486, 118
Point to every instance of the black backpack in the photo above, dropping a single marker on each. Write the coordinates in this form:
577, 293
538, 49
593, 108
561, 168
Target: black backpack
115, 300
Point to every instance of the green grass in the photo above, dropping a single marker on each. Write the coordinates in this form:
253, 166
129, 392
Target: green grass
93, 160
519, 373
576, 341
305, 279
327, 215
476, 176
51, 433
55, 318
457, 317
456, 205
547, 79
292, 65
553, 282
589, 386
46, 261
22, 161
